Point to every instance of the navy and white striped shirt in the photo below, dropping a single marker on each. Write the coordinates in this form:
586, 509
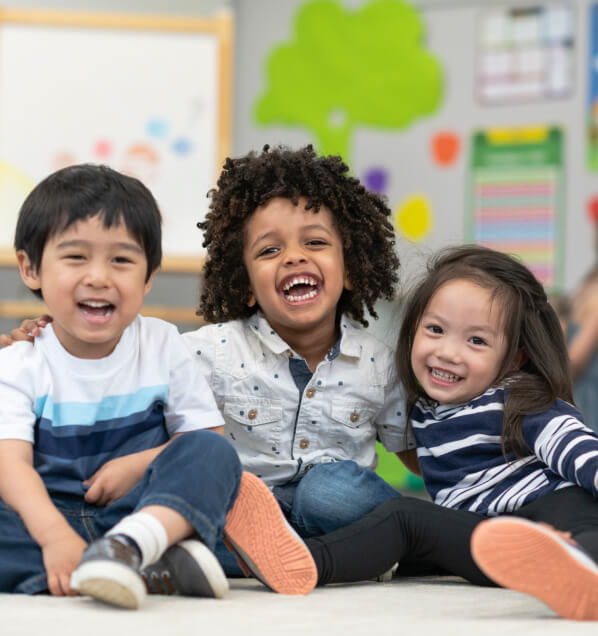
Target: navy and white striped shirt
460, 454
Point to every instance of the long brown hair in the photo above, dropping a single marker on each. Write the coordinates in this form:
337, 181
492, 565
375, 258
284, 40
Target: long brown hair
531, 326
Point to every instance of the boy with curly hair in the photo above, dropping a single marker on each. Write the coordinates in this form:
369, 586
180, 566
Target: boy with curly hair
297, 249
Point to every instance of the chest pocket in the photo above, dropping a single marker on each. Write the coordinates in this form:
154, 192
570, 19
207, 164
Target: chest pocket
351, 432
352, 416
253, 423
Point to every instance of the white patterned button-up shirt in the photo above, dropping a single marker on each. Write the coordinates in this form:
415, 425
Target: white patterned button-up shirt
282, 419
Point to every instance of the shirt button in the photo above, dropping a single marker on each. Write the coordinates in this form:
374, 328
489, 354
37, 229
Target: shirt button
354, 417
304, 443
252, 414
310, 393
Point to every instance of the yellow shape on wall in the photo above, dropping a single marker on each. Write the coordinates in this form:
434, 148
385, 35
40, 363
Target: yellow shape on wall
15, 185
413, 217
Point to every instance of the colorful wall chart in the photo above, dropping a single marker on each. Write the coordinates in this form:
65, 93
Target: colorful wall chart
526, 53
517, 197
592, 116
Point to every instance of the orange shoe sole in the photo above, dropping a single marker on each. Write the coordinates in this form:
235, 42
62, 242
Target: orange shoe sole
260, 535
532, 558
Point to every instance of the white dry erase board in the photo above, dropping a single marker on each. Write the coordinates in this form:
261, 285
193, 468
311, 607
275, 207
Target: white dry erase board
147, 95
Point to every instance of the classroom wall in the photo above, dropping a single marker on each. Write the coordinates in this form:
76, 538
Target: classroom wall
184, 7
450, 25
169, 289
451, 35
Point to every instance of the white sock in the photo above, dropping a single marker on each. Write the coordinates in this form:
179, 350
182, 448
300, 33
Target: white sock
147, 532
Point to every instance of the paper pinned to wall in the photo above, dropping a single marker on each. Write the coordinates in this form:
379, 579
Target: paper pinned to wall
525, 53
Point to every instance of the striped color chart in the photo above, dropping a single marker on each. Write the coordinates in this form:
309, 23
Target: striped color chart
516, 197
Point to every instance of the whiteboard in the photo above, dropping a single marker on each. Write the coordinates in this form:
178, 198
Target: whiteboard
146, 95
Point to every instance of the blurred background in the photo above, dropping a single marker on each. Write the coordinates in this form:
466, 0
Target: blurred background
477, 120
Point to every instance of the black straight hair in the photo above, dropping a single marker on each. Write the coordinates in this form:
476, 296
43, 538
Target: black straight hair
79, 192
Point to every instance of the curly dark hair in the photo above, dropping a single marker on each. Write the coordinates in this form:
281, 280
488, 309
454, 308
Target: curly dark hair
361, 217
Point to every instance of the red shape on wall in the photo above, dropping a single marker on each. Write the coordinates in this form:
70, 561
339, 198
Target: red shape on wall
593, 209
445, 148
102, 148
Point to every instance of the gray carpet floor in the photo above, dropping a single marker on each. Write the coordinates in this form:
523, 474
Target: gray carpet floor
414, 607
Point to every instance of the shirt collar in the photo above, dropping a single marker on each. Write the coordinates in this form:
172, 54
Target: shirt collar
351, 338
349, 343
261, 328
444, 411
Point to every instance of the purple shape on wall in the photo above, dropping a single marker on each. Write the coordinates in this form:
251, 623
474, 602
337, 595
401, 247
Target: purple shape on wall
376, 179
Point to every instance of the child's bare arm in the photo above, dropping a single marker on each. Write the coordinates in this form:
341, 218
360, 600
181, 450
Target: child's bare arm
22, 489
409, 458
116, 477
27, 331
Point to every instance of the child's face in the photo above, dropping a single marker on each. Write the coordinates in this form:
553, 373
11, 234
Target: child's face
460, 343
93, 281
294, 258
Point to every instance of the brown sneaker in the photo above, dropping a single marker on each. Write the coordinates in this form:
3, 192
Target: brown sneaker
536, 559
265, 543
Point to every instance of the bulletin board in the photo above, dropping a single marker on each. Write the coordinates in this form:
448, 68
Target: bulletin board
147, 95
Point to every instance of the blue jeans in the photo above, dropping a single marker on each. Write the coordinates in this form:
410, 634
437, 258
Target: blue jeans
328, 497
197, 475
332, 496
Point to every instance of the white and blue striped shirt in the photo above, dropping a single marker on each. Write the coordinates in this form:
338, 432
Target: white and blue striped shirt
80, 414
460, 454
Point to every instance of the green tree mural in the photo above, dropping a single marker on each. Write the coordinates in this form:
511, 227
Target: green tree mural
344, 68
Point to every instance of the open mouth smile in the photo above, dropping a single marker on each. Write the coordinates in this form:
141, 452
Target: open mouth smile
297, 289
98, 308
444, 377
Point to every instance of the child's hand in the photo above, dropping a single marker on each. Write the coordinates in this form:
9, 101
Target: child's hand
114, 479
61, 556
28, 330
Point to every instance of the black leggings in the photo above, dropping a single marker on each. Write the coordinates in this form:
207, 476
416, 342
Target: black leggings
426, 537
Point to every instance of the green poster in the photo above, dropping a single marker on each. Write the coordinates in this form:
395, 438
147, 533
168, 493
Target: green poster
516, 197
